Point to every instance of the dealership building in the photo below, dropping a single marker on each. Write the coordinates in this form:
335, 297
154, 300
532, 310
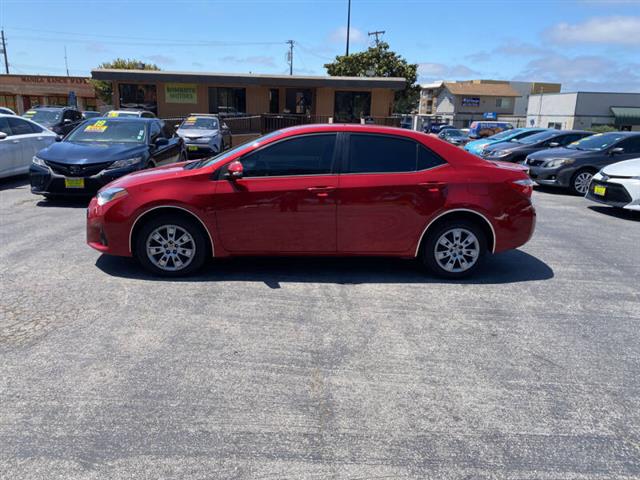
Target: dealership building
176, 94
584, 110
22, 92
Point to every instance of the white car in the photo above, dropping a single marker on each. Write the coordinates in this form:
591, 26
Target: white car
20, 140
617, 185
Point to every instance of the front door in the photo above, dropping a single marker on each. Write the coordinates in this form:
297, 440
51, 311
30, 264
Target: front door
389, 188
285, 202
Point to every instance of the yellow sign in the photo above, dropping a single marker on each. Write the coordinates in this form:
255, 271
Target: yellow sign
99, 126
600, 190
180, 93
112, 114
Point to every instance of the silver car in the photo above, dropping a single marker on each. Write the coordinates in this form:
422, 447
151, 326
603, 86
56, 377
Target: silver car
20, 140
204, 135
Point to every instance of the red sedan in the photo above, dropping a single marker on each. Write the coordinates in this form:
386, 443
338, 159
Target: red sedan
334, 190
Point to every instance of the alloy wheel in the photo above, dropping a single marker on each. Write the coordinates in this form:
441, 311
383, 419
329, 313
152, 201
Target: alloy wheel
170, 248
457, 250
581, 182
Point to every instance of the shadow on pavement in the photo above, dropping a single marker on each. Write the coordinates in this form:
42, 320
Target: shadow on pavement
553, 190
13, 182
509, 267
62, 202
616, 212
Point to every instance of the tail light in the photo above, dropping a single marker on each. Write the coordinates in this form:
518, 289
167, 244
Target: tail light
524, 186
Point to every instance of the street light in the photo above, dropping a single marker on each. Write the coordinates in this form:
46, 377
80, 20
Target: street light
348, 25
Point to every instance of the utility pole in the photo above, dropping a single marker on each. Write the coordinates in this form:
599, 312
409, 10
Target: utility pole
540, 103
377, 34
66, 63
290, 56
4, 51
348, 26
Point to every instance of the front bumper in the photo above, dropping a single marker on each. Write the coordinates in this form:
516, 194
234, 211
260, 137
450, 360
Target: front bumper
45, 181
619, 192
108, 227
199, 150
553, 177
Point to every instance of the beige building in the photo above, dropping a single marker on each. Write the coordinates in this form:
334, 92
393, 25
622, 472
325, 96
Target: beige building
22, 92
176, 94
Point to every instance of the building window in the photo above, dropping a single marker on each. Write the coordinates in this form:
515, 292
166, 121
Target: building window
503, 102
8, 101
350, 107
30, 102
274, 100
227, 101
138, 96
299, 101
556, 125
57, 100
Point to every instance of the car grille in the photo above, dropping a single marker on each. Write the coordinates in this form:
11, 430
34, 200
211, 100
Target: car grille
535, 163
615, 193
77, 170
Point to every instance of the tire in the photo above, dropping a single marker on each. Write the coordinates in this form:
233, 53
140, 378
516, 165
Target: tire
448, 262
176, 264
580, 180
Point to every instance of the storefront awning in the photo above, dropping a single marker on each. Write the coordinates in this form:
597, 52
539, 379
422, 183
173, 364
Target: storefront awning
626, 115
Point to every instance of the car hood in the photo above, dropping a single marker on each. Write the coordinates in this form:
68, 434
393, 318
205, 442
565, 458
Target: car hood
628, 168
560, 152
196, 132
151, 175
511, 146
88, 153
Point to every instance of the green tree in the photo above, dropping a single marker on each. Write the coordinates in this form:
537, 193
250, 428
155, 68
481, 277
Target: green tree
379, 61
104, 90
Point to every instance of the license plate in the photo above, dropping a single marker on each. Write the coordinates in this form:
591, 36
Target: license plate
600, 190
192, 148
74, 182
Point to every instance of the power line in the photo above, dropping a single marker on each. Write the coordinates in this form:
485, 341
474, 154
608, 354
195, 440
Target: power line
377, 34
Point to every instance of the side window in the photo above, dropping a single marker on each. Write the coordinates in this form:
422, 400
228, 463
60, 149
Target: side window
68, 115
380, 154
567, 139
307, 155
630, 145
4, 126
427, 159
19, 127
35, 128
77, 116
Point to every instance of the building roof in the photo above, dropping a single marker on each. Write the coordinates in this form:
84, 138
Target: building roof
482, 89
626, 115
437, 84
396, 83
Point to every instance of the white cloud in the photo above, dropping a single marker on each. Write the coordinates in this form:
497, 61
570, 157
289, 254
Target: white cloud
428, 71
263, 61
162, 59
339, 35
606, 30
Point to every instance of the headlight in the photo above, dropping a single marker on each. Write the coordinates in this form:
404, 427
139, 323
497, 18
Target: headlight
39, 161
203, 139
558, 162
109, 194
500, 153
125, 163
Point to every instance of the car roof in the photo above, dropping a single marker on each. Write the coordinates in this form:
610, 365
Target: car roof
54, 107
203, 115
128, 119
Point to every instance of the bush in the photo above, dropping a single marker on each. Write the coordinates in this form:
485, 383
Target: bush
603, 129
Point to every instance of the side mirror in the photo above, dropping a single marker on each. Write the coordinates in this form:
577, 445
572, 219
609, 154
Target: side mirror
176, 126
616, 151
3, 135
161, 142
59, 138
554, 145
234, 171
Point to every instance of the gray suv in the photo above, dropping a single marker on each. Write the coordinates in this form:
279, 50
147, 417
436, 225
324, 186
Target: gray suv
204, 135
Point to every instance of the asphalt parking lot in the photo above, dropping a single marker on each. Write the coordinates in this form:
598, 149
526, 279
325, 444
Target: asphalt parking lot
315, 368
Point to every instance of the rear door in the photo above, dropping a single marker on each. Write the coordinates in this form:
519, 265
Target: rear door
389, 187
10, 149
285, 202
631, 148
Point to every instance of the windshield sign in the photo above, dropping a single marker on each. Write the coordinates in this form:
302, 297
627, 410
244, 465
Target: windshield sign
596, 142
200, 123
109, 131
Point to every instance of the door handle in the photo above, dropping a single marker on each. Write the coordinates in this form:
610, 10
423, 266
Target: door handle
321, 191
433, 186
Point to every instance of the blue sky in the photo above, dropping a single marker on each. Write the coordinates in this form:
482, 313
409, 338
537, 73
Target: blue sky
585, 44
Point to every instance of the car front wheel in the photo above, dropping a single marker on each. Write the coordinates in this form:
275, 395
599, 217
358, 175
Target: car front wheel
454, 249
580, 182
171, 245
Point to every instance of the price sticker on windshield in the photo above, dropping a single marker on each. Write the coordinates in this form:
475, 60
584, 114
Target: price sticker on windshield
30, 113
99, 127
112, 114
190, 120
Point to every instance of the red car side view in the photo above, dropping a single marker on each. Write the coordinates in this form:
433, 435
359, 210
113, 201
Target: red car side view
336, 190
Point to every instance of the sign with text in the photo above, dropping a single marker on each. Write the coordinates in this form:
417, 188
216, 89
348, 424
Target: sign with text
470, 102
180, 93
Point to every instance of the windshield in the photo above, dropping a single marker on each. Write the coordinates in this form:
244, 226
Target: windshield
453, 133
44, 117
110, 131
596, 142
200, 123
538, 137
503, 135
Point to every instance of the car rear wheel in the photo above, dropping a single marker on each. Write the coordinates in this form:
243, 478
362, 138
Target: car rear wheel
454, 249
580, 182
171, 245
